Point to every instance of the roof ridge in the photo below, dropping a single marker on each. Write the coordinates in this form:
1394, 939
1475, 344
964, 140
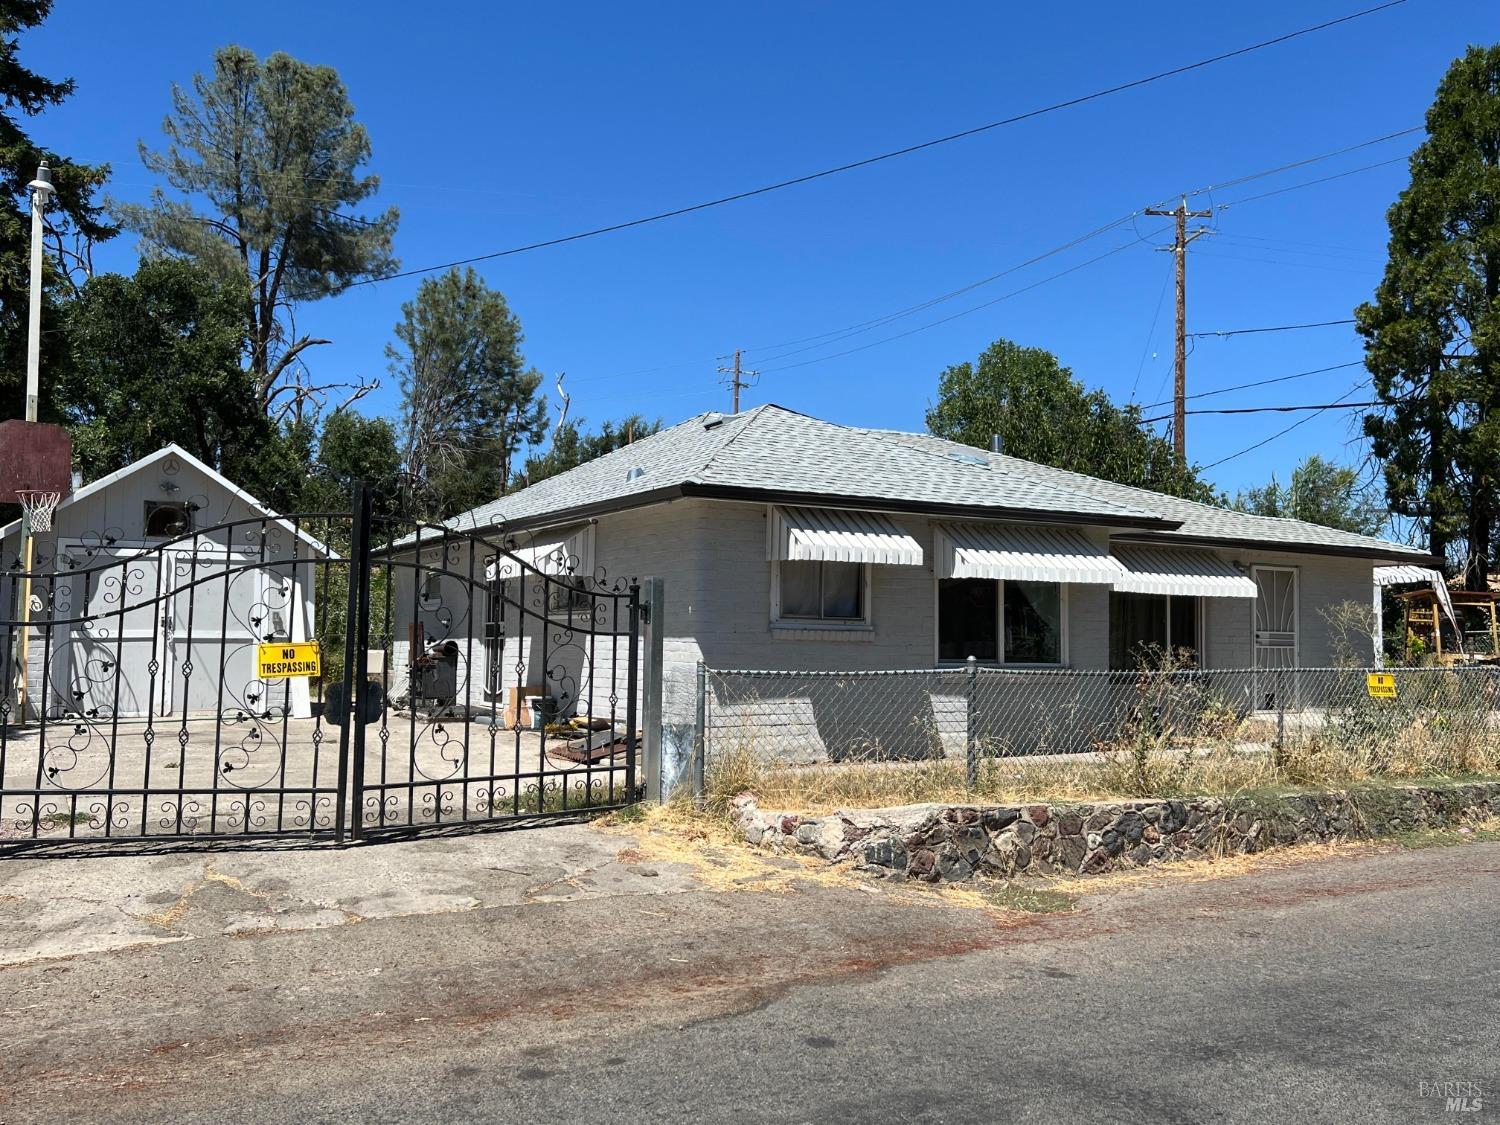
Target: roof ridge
990, 465
749, 416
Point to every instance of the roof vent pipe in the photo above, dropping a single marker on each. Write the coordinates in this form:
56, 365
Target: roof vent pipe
634, 474
996, 445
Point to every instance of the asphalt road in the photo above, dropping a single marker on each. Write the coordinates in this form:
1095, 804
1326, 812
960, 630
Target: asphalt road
1334, 990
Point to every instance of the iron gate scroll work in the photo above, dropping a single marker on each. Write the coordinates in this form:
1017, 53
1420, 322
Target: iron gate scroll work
462, 683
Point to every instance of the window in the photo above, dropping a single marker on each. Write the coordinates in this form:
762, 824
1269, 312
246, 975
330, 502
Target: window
165, 519
831, 592
569, 594
1146, 628
1004, 622
1033, 623
968, 619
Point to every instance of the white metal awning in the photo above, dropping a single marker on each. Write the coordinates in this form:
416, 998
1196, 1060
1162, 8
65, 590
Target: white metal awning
551, 553
1409, 575
1023, 554
1179, 571
832, 535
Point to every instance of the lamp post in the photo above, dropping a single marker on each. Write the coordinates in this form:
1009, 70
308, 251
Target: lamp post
41, 190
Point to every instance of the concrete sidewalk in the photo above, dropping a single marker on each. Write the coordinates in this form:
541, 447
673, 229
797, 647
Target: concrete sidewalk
60, 907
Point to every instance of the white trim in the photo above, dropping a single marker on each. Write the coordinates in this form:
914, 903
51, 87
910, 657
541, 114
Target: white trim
865, 623
174, 450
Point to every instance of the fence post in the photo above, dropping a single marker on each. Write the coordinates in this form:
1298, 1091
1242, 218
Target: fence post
652, 609
971, 749
700, 735
1280, 708
632, 660
360, 628
358, 518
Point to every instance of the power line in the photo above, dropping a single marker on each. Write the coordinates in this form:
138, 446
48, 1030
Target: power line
906, 151
1278, 434
1260, 383
1311, 183
1319, 406
1306, 161
1275, 328
834, 335
855, 329
955, 316
1150, 335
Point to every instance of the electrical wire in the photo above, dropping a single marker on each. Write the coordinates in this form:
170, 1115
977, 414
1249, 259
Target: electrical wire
1293, 409
1275, 328
891, 155
954, 316
1304, 162
1278, 434
1259, 383
1311, 183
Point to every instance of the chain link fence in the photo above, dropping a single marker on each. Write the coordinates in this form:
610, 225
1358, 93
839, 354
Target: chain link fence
972, 713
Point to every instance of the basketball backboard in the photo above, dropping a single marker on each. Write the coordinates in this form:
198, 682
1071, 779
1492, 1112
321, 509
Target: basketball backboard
34, 457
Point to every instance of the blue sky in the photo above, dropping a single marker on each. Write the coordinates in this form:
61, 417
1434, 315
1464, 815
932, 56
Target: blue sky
501, 124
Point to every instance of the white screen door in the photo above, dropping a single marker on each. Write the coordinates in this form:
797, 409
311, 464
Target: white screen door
1275, 617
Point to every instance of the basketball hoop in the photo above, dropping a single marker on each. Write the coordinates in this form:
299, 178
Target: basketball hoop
39, 507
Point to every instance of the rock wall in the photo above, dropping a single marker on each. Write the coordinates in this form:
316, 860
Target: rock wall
950, 843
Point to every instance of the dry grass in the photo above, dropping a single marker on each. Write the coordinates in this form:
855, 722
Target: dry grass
1146, 768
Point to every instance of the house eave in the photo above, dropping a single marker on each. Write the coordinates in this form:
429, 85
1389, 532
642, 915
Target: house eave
1353, 552
700, 491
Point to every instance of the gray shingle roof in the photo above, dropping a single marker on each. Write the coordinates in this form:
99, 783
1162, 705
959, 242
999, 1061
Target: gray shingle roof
1197, 521
774, 451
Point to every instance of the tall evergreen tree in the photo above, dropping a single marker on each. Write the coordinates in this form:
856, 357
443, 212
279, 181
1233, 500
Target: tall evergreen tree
1432, 333
468, 400
74, 220
268, 156
1043, 414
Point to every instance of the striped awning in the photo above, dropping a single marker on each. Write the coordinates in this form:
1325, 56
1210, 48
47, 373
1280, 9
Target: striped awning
1406, 575
1022, 553
551, 553
833, 535
1409, 575
1179, 571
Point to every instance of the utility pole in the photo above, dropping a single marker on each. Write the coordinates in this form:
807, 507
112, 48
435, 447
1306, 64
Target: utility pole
737, 380
41, 190
1179, 247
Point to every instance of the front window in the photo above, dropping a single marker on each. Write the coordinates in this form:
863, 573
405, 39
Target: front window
1144, 629
822, 591
1033, 623
1000, 622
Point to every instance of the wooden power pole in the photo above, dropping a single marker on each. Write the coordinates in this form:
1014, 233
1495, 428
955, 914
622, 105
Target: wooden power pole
738, 380
1179, 247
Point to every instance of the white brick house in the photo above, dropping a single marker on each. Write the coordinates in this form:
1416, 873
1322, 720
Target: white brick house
789, 542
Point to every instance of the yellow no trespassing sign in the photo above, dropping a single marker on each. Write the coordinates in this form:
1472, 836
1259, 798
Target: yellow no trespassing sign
278, 661
1381, 685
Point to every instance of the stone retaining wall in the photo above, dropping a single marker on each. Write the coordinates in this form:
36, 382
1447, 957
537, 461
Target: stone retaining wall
949, 843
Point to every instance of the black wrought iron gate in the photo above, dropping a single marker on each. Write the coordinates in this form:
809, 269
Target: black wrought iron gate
463, 680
